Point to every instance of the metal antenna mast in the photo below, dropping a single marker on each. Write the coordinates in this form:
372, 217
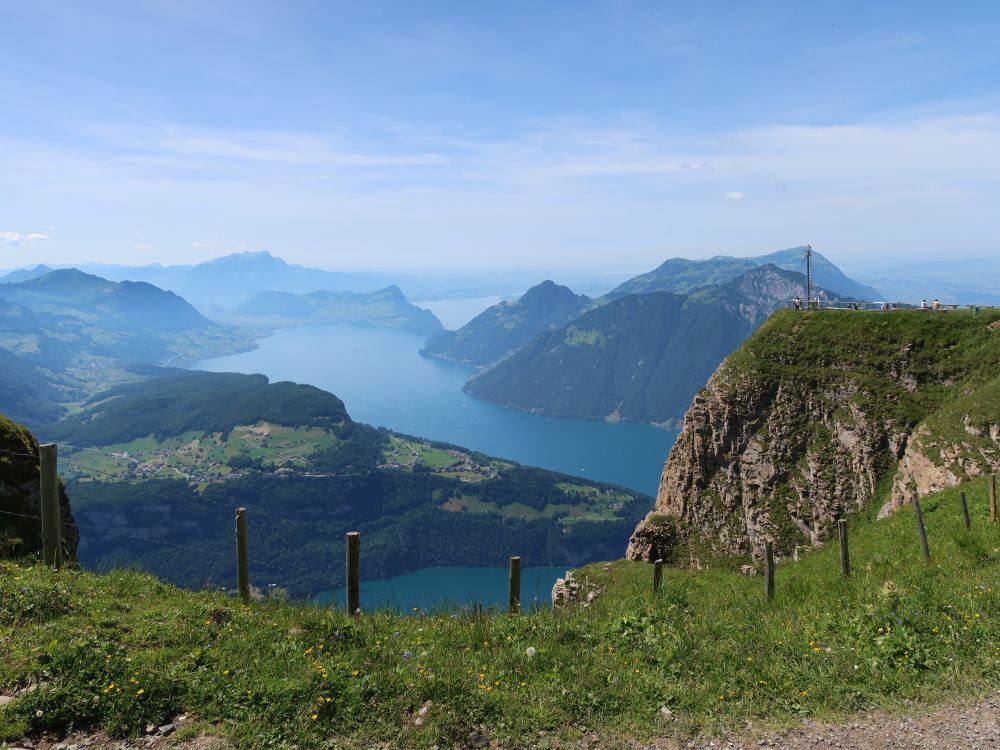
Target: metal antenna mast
809, 274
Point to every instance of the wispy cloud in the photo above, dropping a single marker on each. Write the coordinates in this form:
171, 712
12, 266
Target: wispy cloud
13, 238
562, 184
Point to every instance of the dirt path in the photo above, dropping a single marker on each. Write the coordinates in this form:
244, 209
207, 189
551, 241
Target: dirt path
975, 727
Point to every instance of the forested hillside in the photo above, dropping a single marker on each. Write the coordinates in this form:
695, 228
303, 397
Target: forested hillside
178, 452
641, 357
65, 335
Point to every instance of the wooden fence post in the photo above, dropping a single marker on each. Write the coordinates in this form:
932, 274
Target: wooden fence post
49, 500
354, 573
965, 511
845, 554
925, 550
514, 586
768, 571
993, 498
657, 576
242, 555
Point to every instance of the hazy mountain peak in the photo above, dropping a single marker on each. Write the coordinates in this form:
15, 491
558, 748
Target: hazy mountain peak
24, 274
504, 328
681, 276
64, 279
250, 259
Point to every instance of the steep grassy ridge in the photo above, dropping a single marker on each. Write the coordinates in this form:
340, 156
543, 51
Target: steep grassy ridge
815, 412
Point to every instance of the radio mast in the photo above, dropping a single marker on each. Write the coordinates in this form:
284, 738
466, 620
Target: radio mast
809, 275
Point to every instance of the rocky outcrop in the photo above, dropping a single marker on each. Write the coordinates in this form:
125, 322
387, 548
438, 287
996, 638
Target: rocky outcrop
567, 592
931, 463
751, 465
799, 428
20, 496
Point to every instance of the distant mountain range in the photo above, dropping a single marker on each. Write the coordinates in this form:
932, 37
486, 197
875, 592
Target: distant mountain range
224, 283
128, 305
681, 276
66, 333
506, 327
638, 357
639, 352
385, 308
230, 280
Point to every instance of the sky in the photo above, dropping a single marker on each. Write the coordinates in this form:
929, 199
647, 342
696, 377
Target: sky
484, 135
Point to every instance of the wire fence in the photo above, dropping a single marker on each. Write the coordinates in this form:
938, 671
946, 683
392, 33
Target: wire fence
229, 559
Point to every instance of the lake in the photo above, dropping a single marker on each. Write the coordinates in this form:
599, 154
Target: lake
384, 381
444, 587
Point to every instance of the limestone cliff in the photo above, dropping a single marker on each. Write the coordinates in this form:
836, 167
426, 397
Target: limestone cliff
20, 496
820, 414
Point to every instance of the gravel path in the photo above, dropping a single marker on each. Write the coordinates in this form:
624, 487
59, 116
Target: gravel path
975, 727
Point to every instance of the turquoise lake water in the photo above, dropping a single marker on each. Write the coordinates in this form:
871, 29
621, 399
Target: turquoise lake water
384, 381
445, 587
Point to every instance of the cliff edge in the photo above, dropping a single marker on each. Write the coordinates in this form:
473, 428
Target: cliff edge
823, 413
20, 496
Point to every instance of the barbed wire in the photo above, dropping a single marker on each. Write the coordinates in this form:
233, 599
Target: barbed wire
23, 455
187, 547
412, 597
422, 599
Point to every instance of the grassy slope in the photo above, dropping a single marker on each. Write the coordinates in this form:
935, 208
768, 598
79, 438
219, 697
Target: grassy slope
813, 349
273, 674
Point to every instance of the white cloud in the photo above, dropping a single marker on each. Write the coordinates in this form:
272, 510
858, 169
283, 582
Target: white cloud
555, 189
13, 238
142, 247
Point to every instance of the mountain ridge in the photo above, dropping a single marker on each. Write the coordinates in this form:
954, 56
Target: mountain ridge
681, 275
504, 328
385, 308
620, 360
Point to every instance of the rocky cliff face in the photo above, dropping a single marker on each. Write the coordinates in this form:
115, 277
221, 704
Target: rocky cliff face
816, 416
20, 495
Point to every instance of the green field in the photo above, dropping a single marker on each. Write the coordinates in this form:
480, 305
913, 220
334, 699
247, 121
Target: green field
408, 453
200, 456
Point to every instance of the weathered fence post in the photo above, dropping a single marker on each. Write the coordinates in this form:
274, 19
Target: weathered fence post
965, 511
845, 554
51, 516
993, 498
514, 586
242, 555
925, 550
768, 571
354, 573
657, 576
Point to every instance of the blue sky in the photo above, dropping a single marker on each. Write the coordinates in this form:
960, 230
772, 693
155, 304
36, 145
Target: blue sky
606, 135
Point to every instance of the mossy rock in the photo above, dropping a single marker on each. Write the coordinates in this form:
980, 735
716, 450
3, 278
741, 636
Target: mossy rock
20, 496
